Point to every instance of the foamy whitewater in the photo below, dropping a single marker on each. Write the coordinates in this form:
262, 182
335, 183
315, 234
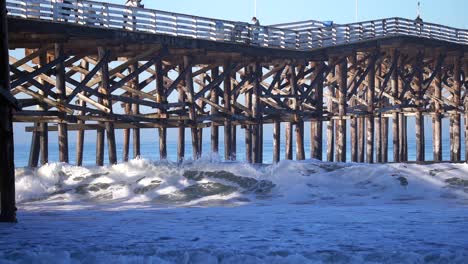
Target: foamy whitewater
217, 212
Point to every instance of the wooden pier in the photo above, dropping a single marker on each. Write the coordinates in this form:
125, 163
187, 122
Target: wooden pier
94, 66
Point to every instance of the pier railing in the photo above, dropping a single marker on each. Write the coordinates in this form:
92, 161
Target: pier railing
294, 36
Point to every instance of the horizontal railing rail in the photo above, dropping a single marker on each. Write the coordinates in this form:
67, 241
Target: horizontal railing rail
294, 36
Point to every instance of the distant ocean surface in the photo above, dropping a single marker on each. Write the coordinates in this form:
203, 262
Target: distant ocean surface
150, 151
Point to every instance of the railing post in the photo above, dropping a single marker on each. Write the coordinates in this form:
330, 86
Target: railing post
384, 27
55, 11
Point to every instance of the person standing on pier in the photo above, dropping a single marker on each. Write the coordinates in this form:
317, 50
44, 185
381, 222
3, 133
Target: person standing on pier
132, 3
255, 30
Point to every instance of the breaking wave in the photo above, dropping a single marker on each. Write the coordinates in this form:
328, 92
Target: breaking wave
206, 183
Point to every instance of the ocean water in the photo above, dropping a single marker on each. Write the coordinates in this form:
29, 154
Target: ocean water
150, 150
211, 211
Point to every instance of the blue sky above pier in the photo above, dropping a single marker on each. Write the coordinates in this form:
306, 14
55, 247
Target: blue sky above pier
448, 12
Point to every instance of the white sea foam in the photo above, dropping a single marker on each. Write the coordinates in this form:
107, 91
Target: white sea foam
288, 181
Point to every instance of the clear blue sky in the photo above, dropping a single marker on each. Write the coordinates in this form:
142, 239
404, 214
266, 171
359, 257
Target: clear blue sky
448, 12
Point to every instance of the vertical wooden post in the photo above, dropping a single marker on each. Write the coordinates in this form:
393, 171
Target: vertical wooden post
354, 138
403, 136
317, 125
201, 105
455, 143
104, 89
299, 129
331, 122
61, 93
420, 143
395, 117
36, 136
233, 127
192, 112
378, 138
361, 139
342, 74
126, 135
127, 131
80, 133
34, 148
214, 112
161, 98
353, 122
437, 117
378, 119
227, 106
465, 69
248, 128
276, 141
289, 140
181, 128
370, 109
256, 113
136, 111
100, 144
100, 140
385, 139
44, 134
7, 173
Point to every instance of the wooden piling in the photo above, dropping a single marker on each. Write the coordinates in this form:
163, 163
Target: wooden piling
370, 109
34, 148
378, 118
353, 122
61, 92
214, 112
420, 138
256, 140
289, 140
342, 70
403, 137
127, 131
455, 118
181, 126
227, 106
161, 98
299, 128
361, 139
248, 127
395, 116
192, 112
7, 173
331, 109
465, 69
276, 141
385, 121
136, 111
107, 102
233, 126
316, 126
81, 133
437, 118
44, 134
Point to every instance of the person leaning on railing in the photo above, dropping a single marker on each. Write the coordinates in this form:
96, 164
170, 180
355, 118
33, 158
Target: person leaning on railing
419, 24
132, 3
255, 30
